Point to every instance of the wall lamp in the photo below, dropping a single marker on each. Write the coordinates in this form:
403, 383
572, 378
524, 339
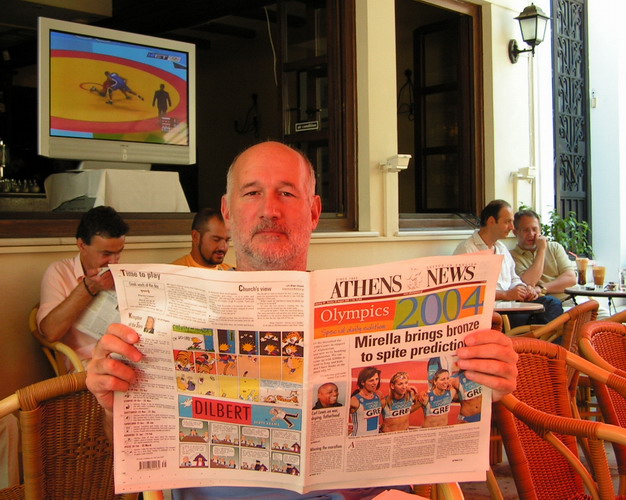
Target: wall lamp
532, 22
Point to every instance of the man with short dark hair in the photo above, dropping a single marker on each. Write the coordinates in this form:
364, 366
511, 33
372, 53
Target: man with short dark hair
69, 285
496, 222
540, 263
209, 242
327, 395
271, 208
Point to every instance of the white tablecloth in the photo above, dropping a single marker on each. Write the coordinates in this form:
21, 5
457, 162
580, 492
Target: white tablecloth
124, 190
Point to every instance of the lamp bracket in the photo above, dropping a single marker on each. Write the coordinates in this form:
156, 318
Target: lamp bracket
515, 51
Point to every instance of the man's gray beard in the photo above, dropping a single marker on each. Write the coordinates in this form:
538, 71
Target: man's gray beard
275, 257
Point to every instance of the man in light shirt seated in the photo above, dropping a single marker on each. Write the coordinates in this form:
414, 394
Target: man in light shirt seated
496, 222
540, 263
68, 286
271, 208
209, 242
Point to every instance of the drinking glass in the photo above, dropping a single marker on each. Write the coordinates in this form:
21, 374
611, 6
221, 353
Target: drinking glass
599, 273
581, 266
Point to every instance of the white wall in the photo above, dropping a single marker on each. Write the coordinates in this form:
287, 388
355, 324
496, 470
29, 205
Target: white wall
607, 74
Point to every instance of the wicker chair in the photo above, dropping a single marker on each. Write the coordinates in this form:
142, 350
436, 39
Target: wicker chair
566, 327
443, 491
65, 453
539, 431
619, 317
604, 344
56, 352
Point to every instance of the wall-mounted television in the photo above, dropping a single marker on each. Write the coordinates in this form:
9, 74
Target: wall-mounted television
112, 96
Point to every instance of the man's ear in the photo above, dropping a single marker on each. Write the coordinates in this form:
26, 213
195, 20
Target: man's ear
80, 243
195, 237
316, 211
226, 212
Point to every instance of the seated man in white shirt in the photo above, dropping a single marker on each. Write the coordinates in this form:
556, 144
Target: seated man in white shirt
68, 286
496, 222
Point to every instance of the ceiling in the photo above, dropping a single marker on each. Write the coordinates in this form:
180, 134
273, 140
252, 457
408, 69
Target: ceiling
199, 21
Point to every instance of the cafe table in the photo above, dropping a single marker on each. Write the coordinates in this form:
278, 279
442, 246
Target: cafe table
592, 291
506, 307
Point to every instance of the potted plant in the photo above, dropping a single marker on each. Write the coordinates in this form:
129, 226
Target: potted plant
569, 232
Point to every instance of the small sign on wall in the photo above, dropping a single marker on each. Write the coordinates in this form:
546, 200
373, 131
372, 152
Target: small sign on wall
306, 126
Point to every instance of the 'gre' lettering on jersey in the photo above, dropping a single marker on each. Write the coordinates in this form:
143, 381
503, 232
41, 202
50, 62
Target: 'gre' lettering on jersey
366, 417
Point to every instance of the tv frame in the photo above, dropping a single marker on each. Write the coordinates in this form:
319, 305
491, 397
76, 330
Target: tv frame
121, 154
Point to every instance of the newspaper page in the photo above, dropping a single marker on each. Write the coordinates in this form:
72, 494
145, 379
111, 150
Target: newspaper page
229, 390
218, 401
385, 336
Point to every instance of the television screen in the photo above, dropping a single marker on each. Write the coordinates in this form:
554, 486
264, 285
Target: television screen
115, 96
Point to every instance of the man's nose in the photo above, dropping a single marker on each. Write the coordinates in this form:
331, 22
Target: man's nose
271, 207
114, 258
222, 245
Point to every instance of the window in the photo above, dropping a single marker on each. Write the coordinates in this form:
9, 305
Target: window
439, 119
318, 96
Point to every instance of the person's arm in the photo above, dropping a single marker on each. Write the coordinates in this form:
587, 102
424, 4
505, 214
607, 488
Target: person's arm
564, 269
565, 280
532, 275
489, 359
60, 319
517, 293
354, 404
105, 374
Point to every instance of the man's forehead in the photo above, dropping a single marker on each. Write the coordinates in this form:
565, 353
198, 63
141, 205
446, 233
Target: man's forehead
529, 221
214, 224
505, 212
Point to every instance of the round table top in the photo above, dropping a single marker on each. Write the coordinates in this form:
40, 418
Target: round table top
591, 291
512, 306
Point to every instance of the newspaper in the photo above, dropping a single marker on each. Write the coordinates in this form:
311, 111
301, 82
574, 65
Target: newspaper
227, 393
99, 314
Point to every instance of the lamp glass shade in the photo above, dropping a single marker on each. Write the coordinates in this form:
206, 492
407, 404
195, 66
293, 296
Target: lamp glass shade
533, 23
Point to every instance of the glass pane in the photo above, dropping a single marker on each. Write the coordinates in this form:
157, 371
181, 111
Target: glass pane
440, 58
306, 96
443, 178
441, 118
327, 185
306, 29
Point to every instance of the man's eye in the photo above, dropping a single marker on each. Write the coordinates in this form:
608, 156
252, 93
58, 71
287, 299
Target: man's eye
286, 193
250, 193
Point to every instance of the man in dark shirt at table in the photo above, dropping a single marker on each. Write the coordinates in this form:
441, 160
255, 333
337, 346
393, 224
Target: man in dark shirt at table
496, 222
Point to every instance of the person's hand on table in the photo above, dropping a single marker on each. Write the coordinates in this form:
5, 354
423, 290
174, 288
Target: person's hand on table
517, 293
489, 359
531, 294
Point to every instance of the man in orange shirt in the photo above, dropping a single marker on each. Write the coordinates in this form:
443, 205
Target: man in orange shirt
209, 242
